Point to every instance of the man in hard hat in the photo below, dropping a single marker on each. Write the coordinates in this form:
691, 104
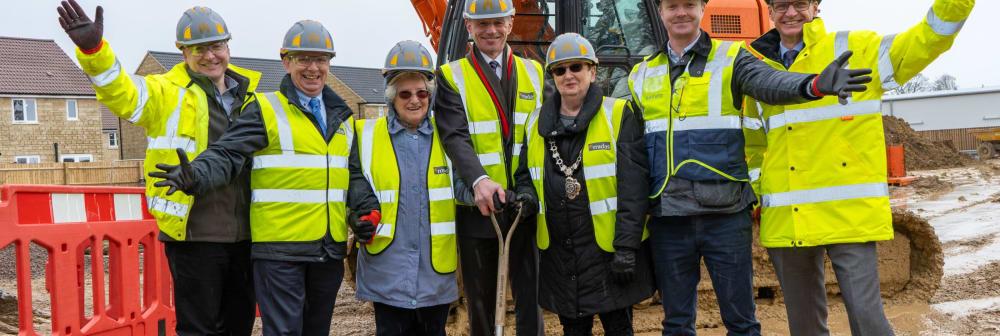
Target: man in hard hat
823, 180
481, 110
691, 93
299, 148
206, 239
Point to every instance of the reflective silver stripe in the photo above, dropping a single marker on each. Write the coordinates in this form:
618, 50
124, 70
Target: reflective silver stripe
752, 123
384, 230
143, 97
386, 196
657, 125
297, 196
824, 113
520, 118
296, 161
715, 85
536, 84
596, 172
106, 77
517, 148
483, 127
754, 174
173, 122
704, 123
459, 79
604, 206
489, 159
284, 128
941, 27
368, 140
167, 206
657, 71
837, 193
442, 228
172, 142
348, 126
841, 43
440, 194
638, 80
536, 173
885, 67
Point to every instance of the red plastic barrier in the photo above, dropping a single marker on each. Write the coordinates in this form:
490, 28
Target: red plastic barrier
66, 221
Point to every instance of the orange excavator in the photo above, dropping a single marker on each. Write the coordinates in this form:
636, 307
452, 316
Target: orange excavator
623, 31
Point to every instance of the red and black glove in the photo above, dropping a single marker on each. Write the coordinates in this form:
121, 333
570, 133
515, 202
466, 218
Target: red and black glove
755, 215
841, 82
364, 226
85, 33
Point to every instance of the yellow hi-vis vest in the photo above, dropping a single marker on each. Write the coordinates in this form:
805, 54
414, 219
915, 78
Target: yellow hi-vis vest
484, 122
600, 155
693, 130
821, 167
299, 181
384, 180
174, 115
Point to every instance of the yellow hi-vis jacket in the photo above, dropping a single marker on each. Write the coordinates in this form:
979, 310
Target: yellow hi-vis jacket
600, 156
299, 181
384, 180
484, 122
820, 167
174, 115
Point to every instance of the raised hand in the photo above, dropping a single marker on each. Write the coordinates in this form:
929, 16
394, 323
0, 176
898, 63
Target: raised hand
85, 33
836, 80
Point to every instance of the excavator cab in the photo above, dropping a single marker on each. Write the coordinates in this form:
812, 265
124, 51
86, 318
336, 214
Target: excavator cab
622, 31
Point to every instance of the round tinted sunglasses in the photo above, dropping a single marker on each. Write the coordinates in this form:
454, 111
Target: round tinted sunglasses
422, 94
559, 71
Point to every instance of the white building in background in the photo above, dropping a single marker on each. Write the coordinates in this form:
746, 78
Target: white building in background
948, 115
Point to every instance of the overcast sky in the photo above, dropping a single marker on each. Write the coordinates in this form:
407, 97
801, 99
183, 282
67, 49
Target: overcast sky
365, 30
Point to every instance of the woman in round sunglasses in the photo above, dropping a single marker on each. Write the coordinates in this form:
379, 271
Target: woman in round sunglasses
407, 267
586, 162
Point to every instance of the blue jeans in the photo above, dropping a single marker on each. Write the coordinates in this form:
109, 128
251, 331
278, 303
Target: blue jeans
723, 240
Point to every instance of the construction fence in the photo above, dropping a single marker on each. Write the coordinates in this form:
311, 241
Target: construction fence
115, 173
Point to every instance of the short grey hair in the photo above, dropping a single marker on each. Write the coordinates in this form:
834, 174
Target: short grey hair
391, 90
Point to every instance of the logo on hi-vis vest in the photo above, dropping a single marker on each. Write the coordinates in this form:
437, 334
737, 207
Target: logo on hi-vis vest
600, 146
526, 95
441, 170
342, 130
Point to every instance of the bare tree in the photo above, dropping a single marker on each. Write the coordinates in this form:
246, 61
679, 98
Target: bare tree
918, 83
945, 83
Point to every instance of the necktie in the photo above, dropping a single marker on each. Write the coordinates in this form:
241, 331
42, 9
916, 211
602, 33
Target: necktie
789, 57
318, 113
496, 68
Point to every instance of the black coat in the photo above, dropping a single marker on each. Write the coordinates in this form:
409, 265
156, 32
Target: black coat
574, 273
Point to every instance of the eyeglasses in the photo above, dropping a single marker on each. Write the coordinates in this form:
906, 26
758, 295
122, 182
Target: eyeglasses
306, 61
216, 48
406, 95
798, 5
559, 71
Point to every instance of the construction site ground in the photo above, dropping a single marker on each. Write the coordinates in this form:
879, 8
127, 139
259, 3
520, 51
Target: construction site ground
962, 204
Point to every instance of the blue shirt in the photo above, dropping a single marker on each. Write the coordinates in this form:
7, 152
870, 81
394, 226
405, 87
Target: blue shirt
782, 50
402, 275
226, 98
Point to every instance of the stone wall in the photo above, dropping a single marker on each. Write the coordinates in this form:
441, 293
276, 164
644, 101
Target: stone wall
81, 136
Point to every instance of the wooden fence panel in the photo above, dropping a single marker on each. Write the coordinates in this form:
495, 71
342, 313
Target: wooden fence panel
116, 173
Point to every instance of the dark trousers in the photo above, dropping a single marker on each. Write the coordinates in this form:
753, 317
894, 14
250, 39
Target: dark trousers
297, 298
679, 244
615, 323
213, 287
478, 258
395, 321
800, 271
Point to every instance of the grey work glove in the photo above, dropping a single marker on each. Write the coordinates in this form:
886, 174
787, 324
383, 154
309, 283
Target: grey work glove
180, 177
85, 33
623, 265
836, 80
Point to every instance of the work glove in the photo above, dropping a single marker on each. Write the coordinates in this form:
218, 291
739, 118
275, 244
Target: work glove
623, 265
506, 204
755, 216
527, 204
85, 34
836, 80
363, 224
180, 177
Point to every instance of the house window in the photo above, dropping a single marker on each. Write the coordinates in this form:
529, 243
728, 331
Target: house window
76, 158
24, 111
71, 113
112, 139
27, 159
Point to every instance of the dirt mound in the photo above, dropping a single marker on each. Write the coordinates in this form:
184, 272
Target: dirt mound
982, 283
926, 257
921, 152
926, 185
